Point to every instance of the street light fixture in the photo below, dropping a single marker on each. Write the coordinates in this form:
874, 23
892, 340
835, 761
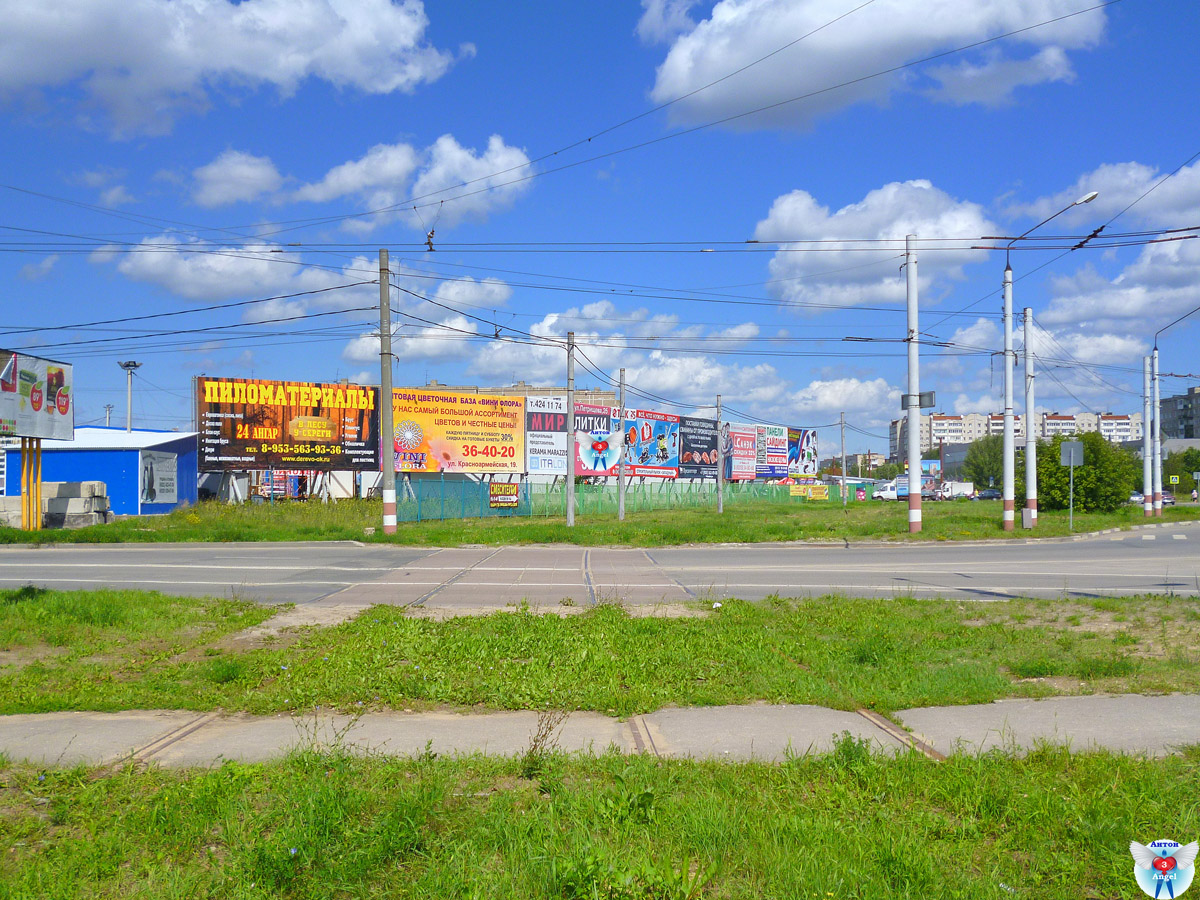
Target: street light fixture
129, 368
1156, 468
1009, 436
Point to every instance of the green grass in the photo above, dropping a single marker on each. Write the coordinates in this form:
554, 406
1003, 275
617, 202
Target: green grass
57, 642
837, 652
742, 522
847, 824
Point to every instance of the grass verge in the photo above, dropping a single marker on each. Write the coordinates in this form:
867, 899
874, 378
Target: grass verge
848, 824
742, 522
59, 644
837, 652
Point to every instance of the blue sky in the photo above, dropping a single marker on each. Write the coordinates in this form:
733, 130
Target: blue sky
165, 156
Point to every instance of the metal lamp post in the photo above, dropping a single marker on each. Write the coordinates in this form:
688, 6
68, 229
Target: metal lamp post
1009, 437
129, 368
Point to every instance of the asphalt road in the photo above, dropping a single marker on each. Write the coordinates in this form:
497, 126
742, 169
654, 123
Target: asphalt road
1156, 560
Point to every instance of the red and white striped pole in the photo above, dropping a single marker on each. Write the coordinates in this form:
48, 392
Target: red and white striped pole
914, 390
386, 436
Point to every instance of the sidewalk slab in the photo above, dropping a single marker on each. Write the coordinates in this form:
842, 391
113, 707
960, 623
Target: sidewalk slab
1130, 723
759, 731
255, 739
87, 738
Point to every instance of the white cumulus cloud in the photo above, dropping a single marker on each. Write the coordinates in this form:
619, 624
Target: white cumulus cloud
234, 177
40, 269
1166, 203
885, 34
992, 82
447, 182
145, 61
664, 20
844, 278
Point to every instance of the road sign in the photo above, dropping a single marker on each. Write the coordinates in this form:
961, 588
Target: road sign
1173, 479
925, 400
1072, 453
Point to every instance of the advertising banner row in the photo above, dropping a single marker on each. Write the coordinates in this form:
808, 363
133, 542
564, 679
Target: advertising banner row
247, 424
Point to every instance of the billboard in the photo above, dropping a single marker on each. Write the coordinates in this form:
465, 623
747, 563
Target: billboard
598, 439
651, 444
697, 447
546, 435
36, 397
771, 452
740, 451
802, 451
157, 477
450, 432
251, 424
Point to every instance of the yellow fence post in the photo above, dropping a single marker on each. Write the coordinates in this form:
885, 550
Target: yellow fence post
37, 481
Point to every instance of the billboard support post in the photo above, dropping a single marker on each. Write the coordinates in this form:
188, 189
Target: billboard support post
621, 464
720, 462
571, 429
386, 425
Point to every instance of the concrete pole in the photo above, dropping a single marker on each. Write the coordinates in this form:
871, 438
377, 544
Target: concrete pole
1009, 437
571, 429
843, 424
1147, 451
914, 390
108, 408
1031, 491
621, 464
387, 427
720, 462
129, 368
1158, 509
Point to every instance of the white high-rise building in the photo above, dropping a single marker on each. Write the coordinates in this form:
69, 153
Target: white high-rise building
937, 429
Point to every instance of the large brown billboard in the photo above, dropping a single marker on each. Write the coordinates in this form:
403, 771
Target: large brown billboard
250, 424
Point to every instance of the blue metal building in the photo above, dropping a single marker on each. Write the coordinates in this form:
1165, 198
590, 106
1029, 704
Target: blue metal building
146, 472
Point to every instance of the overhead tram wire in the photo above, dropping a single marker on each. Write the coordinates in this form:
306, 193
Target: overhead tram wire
415, 202
182, 312
198, 331
1082, 365
1112, 219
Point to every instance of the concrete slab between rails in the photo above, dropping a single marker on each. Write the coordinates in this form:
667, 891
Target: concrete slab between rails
1127, 723
87, 738
763, 732
256, 739
1154, 726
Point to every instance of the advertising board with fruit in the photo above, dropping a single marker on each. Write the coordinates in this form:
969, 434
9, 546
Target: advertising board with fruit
36, 397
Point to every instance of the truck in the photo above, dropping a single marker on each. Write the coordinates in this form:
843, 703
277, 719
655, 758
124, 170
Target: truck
896, 489
955, 490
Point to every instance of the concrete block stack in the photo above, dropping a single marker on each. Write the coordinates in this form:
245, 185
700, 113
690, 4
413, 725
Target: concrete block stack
65, 504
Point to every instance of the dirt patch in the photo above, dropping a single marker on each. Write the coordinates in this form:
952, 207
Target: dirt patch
443, 613
646, 611
20, 657
666, 611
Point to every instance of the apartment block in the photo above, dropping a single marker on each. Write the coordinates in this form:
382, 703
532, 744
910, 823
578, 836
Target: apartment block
1179, 415
939, 429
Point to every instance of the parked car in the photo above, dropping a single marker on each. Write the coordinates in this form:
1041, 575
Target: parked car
989, 494
1168, 498
1137, 498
